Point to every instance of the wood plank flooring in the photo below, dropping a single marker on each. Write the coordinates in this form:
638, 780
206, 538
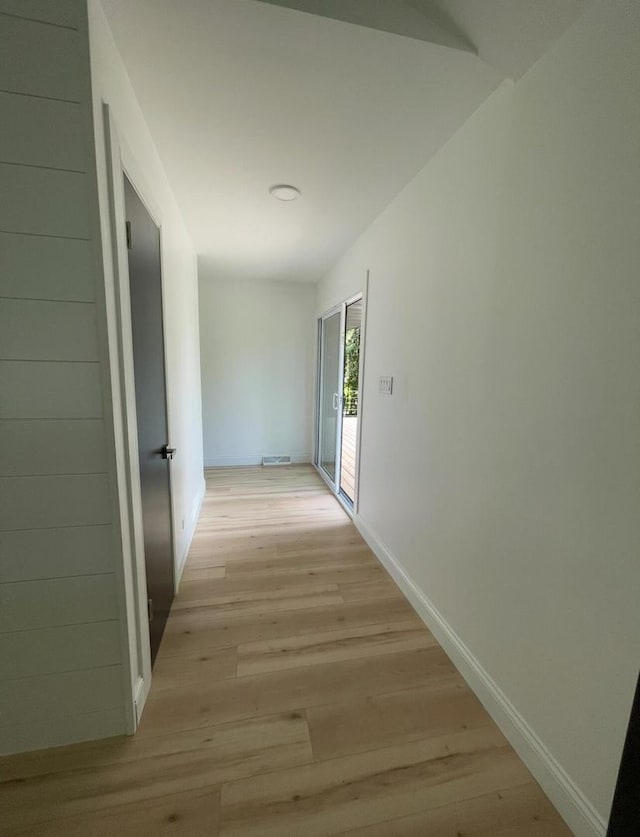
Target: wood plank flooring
295, 693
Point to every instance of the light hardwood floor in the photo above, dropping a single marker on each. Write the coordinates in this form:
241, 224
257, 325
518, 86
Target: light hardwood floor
295, 694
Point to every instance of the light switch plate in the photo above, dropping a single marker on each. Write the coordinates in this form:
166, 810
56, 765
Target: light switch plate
385, 387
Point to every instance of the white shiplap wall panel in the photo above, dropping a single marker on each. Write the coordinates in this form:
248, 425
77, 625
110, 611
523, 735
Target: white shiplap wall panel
55, 553
44, 201
53, 695
67, 648
42, 502
18, 737
61, 635
31, 329
59, 446
40, 267
41, 60
60, 146
49, 390
29, 605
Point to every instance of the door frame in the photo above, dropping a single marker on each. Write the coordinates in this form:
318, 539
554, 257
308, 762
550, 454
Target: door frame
121, 163
352, 510
335, 484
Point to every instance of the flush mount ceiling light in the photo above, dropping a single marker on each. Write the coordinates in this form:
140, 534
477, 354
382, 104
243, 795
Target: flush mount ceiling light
284, 192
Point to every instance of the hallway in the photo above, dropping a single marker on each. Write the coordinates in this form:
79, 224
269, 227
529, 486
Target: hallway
295, 693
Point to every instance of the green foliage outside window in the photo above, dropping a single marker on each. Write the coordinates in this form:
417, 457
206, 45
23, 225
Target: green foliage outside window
351, 371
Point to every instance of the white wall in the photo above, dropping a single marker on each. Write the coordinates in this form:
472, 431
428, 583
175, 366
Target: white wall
61, 674
258, 343
503, 475
111, 85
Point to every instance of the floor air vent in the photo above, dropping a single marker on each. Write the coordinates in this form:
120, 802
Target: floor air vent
276, 460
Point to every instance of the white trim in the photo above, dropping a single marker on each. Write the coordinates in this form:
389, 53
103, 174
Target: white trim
363, 340
134, 589
340, 394
571, 803
338, 310
248, 461
360, 296
102, 723
193, 522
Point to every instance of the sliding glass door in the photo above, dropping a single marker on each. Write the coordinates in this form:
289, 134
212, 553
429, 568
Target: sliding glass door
329, 412
339, 370
350, 399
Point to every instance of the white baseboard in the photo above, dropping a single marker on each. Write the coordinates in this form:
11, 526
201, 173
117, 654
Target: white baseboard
246, 461
193, 522
573, 806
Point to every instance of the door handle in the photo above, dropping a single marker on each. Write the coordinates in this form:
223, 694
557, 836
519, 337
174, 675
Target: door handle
167, 452
336, 400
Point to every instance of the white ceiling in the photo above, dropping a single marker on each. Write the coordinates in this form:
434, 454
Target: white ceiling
240, 94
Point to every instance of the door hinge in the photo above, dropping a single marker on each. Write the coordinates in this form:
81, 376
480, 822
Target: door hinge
129, 239
150, 609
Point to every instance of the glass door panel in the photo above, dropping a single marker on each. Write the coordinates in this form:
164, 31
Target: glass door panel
351, 395
329, 401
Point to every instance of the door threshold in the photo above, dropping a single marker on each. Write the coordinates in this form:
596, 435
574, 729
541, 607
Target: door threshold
340, 497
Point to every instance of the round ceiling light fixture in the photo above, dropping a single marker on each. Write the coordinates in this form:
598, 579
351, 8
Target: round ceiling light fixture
284, 192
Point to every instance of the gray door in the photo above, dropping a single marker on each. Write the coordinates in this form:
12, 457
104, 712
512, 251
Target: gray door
145, 280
